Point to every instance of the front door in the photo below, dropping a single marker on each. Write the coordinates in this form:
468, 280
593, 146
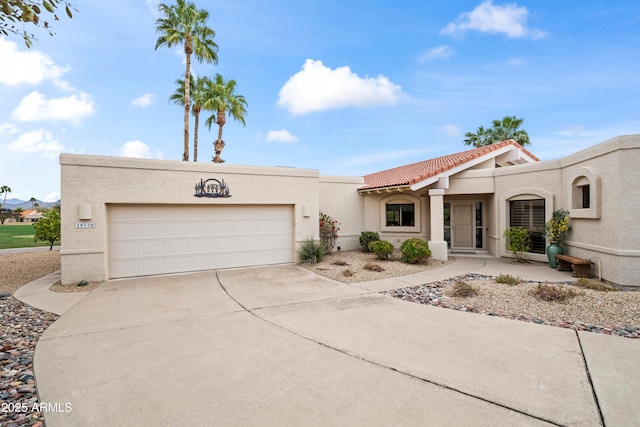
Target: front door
462, 225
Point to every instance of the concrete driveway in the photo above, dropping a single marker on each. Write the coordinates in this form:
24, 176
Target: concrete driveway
282, 346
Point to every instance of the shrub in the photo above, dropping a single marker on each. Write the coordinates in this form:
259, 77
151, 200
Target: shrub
518, 242
594, 285
508, 279
340, 262
367, 237
373, 267
553, 293
328, 231
415, 251
347, 273
463, 290
312, 251
381, 248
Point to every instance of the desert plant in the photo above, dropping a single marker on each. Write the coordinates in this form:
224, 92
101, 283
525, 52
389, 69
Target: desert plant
508, 279
328, 230
367, 237
553, 293
348, 273
594, 285
312, 251
462, 290
381, 248
415, 251
518, 242
373, 267
558, 226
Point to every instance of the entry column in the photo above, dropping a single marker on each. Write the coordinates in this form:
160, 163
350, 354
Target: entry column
437, 244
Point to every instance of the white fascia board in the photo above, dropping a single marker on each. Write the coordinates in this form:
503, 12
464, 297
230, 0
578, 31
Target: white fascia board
471, 163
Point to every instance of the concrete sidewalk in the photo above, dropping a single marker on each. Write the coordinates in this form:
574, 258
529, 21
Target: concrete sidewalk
282, 346
37, 294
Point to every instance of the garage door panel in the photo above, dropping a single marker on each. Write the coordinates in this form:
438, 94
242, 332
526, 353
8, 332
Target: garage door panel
162, 239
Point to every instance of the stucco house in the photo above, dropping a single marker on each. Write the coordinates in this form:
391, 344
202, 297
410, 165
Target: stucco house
124, 217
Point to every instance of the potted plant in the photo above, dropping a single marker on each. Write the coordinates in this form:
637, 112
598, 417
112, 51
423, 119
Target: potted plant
555, 230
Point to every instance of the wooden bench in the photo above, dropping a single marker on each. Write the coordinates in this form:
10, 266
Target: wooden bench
581, 267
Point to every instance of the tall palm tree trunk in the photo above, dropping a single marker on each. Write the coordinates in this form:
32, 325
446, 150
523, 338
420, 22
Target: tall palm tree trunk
195, 135
188, 49
219, 144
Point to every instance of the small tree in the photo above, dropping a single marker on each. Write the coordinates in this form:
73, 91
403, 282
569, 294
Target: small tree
518, 242
328, 231
48, 228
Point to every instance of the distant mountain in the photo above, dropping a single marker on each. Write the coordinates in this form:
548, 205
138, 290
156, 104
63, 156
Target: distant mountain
25, 204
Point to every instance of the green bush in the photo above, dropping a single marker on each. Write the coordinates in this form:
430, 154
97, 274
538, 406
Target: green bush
508, 279
381, 248
367, 237
415, 251
312, 251
518, 242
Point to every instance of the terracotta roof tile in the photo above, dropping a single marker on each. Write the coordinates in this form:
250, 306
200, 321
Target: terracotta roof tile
416, 172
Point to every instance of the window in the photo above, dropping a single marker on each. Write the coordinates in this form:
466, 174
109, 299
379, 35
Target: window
529, 214
400, 215
479, 225
447, 223
586, 198
584, 192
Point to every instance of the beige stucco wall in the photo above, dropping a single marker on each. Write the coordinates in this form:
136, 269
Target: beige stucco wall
340, 199
609, 232
97, 181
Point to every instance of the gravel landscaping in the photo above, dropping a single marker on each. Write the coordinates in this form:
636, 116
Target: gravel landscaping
615, 313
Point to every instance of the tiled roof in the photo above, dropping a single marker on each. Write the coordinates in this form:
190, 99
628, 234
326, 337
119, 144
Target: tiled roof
416, 172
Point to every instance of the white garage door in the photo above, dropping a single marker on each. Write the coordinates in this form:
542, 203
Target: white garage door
158, 239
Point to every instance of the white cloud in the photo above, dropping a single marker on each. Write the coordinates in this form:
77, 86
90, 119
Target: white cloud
73, 108
30, 67
8, 128
451, 130
37, 141
138, 149
144, 100
281, 135
51, 197
508, 19
440, 52
415, 155
317, 88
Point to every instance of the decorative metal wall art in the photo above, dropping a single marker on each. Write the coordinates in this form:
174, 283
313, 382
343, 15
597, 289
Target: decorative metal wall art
212, 188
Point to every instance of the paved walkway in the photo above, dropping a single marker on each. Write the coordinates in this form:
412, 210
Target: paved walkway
282, 346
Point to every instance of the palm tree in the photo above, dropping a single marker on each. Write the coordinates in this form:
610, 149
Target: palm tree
4, 190
509, 128
501, 130
221, 98
481, 138
32, 200
185, 24
196, 92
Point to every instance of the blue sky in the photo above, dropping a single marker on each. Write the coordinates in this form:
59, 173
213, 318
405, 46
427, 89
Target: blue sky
348, 88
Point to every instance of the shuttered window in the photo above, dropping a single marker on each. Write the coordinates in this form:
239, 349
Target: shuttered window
529, 214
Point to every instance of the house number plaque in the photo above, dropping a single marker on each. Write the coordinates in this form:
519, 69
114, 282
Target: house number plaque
212, 188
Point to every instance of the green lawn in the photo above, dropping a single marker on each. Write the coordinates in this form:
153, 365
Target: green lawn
19, 236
